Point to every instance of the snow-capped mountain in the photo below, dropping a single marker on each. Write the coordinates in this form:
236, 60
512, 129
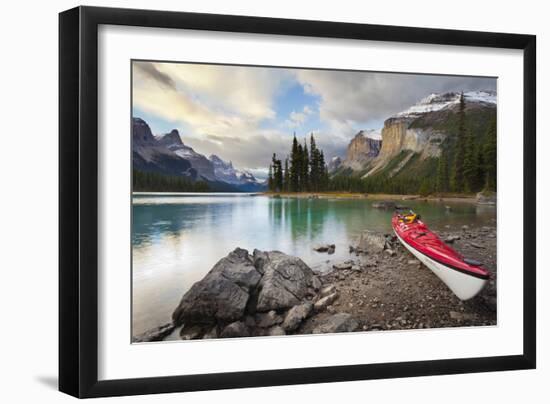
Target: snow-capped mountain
225, 171
172, 141
167, 154
437, 102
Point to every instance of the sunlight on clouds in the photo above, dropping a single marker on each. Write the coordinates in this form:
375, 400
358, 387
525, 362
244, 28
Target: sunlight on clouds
242, 113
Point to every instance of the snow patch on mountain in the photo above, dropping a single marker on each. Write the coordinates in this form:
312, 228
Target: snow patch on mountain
437, 102
225, 172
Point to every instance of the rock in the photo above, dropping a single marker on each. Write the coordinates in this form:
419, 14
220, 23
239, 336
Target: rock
458, 316
465, 227
452, 238
269, 319
327, 291
390, 252
191, 332
212, 334
342, 266
384, 205
476, 245
222, 294
356, 268
276, 331
296, 315
286, 280
156, 334
340, 322
486, 198
324, 247
413, 262
331, 250
242, 283
322, 304
370, 241
234, 330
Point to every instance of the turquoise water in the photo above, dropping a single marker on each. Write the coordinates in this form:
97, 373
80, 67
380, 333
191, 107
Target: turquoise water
177, 238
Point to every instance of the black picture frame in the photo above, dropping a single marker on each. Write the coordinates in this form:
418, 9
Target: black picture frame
78, 200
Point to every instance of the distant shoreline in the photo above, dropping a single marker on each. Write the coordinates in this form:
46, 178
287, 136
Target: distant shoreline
331, 195
377, 197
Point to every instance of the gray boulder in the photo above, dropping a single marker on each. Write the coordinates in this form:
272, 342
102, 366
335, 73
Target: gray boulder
296, 315
234, 330
324, 247
156, 334
322, 304
191, 332
266, 320
341, 322
286, 281
222, 294
276, 331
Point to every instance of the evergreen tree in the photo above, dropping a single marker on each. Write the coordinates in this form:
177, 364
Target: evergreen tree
295, 169
457, 180
316, 169
480, 183
443, 173
286, 177
323, 170
490, 157
305, 168
299, 170
470, 164
277, 174
270, 178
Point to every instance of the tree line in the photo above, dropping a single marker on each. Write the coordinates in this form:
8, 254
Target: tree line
304, 169
473, 165
146, 181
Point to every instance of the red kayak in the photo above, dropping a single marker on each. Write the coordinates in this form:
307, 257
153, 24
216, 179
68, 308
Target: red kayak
465, 277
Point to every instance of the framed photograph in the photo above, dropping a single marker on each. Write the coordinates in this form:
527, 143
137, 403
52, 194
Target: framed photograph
251, 201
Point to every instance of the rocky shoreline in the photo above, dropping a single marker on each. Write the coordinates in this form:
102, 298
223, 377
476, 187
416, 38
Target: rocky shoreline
381, 287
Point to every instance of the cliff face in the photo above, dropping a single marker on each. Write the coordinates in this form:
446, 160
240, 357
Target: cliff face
398, 136
361, 150
416, 134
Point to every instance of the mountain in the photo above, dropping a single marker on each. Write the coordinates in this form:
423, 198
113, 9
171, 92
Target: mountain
244, 180
413, 140
204, 167
334, 164
364, 147
167, 155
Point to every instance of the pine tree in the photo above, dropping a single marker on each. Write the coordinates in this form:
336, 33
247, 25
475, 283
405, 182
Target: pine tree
323, 168
305, 168
480, 182
443, 174
295, 166
316, 170
286, 177
457, 180
277, 174
470, 164
270, 178
490, 156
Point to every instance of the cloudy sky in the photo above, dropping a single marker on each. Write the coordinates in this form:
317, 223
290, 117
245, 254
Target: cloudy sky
245, 114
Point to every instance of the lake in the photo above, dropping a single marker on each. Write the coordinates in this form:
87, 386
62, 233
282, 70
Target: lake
177, 238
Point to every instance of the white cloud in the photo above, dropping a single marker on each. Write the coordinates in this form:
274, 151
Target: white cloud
351, 98
297, 119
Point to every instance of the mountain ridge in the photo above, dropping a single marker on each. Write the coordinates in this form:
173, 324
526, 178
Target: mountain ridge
168, 155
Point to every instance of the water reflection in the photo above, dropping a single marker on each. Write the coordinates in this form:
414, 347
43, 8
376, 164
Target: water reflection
178, 238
